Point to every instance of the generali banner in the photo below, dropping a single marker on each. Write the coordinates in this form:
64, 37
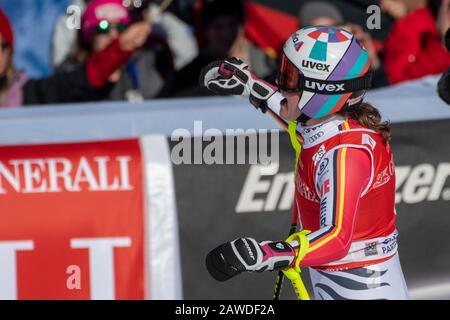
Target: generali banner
75, 222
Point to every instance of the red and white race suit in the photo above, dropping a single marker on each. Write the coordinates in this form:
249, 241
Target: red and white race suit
345, 194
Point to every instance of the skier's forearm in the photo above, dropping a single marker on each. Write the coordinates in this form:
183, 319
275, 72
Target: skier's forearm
274, 103
274, 107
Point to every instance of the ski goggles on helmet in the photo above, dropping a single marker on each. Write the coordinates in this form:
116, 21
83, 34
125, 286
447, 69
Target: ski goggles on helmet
290, 79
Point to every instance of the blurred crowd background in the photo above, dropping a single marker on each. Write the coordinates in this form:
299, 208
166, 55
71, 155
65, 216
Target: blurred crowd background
137, 50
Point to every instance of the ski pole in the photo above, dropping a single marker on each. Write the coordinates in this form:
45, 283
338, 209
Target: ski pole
294, 273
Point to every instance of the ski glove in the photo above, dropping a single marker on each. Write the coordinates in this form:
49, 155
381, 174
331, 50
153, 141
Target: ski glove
246, 254
232, 77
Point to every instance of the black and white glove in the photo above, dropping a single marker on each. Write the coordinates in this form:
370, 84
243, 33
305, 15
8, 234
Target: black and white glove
246, 254
232, 77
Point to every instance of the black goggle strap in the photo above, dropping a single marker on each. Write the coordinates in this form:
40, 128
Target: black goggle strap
329, 87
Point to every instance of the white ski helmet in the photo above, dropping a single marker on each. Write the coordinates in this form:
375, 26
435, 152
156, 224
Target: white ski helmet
328, 66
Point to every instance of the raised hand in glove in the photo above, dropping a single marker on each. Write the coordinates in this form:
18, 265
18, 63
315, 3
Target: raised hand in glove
232, 77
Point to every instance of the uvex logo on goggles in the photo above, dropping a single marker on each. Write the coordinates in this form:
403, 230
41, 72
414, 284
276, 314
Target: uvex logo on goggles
316, 86
325, 86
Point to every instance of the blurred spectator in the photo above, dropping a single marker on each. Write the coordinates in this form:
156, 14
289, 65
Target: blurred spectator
178, 34
143, 76
81, 84
414, 47
320, 13
148, 69
220, 35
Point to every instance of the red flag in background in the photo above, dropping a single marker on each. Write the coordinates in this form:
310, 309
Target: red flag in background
268, 28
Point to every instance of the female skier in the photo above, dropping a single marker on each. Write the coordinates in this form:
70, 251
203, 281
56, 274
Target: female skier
345, 178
